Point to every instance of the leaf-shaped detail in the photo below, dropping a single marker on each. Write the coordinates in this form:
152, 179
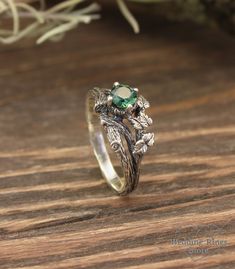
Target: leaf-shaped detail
140, 147
148, 138
136, 123
142, 102
100, 101
113, 135
141, 122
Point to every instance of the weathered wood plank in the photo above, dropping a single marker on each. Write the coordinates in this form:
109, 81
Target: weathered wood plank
56, 210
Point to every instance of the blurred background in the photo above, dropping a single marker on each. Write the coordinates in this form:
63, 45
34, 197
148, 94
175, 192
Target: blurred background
55, 207
52, 52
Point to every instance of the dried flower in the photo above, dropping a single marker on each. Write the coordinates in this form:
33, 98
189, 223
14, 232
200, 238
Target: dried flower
49, 23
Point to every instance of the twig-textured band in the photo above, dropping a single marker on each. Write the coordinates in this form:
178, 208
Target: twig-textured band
128, 145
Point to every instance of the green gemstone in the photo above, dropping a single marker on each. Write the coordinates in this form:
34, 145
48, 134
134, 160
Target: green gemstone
123, 95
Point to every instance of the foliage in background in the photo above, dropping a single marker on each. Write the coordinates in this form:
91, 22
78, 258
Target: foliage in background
47, 23
35, 18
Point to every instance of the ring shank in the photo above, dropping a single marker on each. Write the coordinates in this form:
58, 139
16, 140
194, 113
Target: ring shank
98, 143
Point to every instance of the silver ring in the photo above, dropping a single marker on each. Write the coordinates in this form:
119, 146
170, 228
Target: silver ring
120, 113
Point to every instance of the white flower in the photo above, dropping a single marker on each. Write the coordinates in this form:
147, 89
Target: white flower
142, 102
141, 146
148, 138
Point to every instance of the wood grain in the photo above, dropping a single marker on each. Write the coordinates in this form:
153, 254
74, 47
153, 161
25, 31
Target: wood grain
56, 211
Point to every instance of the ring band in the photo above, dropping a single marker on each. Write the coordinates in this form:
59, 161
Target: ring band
116, 112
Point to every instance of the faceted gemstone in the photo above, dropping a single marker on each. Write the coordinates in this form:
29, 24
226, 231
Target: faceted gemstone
123, 95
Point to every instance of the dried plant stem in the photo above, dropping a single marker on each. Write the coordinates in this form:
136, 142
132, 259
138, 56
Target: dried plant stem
16, 21
64, 5
127, 14
56, 20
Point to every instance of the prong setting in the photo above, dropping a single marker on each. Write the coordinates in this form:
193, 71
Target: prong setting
129, 108
116, 83
123, 95
136, 89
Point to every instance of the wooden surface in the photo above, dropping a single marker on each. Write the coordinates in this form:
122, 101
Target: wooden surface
56, 211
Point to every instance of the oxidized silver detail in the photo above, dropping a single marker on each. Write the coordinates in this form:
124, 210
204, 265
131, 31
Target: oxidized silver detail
137, 140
